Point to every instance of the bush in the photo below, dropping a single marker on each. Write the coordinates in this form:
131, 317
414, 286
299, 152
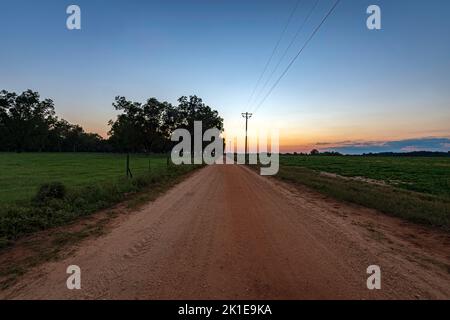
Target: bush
57, 206
48, 191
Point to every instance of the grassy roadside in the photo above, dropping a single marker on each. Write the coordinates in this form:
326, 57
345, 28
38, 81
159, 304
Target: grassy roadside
416, 207
58, 241
21, 174
19, 219
428, 175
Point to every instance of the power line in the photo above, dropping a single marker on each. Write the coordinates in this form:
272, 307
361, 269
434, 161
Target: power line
274, 50
299, 30
298, 54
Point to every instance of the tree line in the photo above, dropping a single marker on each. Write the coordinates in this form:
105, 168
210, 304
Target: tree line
28, 123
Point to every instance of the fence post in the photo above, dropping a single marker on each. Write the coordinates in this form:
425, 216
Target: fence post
128, 165
129, 174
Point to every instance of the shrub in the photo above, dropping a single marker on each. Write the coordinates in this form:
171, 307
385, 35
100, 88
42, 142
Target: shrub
48, 191
54, 205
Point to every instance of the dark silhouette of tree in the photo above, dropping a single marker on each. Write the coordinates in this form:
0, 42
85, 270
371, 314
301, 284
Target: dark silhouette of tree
26, 120
193, 109
148, 127
28, 123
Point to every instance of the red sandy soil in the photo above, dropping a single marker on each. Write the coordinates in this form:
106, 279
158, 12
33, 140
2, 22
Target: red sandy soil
228, 233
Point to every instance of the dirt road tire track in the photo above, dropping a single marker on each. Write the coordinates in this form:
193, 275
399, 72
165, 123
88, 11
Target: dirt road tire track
227, 233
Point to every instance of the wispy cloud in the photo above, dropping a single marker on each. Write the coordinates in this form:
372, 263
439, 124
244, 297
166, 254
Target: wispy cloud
408, 145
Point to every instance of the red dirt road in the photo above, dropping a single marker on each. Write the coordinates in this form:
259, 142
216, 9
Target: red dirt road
227, 233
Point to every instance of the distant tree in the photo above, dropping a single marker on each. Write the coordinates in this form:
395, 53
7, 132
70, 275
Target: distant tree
26, 120
155, 130
28, 123
126, 131
330, 153
148, 127
314, 152
193, 109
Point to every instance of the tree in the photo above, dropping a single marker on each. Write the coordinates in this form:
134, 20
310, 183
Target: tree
126, 132
25, 120
148, 127
314, 152
30, 124
193, 109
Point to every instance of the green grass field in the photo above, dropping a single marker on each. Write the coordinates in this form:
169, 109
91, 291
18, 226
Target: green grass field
414, 188
417, 189
80, 184
422, 174
22, 173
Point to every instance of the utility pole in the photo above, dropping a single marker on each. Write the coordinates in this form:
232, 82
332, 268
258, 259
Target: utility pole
247, 116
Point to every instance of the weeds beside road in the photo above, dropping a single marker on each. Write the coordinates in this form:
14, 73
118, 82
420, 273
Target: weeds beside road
57, 203
416, 189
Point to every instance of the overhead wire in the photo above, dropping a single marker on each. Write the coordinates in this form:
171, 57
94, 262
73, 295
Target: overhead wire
298, 54
299, 30
294, 9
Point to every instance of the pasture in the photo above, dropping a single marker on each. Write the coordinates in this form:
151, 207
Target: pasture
42, 190
22, 173
413, 188
430, 175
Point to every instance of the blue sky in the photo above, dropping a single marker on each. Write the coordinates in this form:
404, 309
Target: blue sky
350, 84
